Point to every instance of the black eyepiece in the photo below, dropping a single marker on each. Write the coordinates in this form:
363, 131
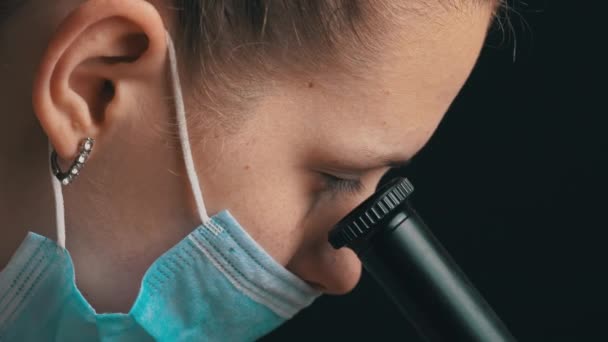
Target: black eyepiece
372, 215
415, 270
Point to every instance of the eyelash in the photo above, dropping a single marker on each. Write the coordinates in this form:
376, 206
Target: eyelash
339, 185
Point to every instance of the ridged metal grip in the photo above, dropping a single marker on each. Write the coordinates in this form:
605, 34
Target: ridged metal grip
361, 221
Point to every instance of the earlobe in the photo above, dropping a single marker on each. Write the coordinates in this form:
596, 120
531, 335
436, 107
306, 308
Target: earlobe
103, 55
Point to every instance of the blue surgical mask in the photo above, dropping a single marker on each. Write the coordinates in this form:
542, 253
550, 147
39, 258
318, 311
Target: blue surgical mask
217, 284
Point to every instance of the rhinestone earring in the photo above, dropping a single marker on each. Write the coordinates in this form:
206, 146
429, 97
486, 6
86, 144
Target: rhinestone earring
86, 146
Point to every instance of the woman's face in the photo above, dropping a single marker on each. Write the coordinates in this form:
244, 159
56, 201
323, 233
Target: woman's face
279, 174
311, 149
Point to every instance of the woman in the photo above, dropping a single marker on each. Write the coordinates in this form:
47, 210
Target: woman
203, 213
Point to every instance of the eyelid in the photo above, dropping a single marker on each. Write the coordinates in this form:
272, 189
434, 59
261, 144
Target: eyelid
344, 173
338, 185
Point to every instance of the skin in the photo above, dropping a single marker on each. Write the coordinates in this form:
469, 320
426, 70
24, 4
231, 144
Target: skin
133, 200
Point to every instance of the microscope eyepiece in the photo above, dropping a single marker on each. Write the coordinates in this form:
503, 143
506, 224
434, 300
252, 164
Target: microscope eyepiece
373, 215
410, 264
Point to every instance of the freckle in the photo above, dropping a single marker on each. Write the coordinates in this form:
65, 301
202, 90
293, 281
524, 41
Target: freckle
311, 84
247, 167
386, 92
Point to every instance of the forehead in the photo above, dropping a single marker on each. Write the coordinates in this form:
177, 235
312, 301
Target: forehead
389, 105
397, 97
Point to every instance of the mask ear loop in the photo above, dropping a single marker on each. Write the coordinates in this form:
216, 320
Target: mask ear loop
186, 150
183, 133
59, 205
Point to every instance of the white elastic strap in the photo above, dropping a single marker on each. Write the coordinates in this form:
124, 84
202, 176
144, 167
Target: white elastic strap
59, 206
186, 150
183, 133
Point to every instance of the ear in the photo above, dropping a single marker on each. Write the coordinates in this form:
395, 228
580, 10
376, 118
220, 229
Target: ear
101, 57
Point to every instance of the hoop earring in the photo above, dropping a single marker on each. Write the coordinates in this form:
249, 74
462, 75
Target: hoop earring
86, 146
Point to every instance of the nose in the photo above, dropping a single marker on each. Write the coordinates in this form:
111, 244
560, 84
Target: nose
333, 271
327, 269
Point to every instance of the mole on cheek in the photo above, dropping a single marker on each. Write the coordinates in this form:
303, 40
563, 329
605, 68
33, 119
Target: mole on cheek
247, 167
311, 84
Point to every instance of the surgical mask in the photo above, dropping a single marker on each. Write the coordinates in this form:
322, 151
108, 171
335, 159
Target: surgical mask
217, 284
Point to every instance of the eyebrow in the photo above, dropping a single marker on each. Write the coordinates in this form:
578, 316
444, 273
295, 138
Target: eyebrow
369, 160
374, 160
392, 162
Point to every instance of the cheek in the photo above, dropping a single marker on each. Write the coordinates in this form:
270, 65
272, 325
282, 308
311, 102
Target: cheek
274, 221
264, 193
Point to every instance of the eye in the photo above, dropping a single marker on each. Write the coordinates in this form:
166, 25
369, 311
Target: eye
339, 185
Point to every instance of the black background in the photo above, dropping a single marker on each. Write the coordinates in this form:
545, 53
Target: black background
514, 185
